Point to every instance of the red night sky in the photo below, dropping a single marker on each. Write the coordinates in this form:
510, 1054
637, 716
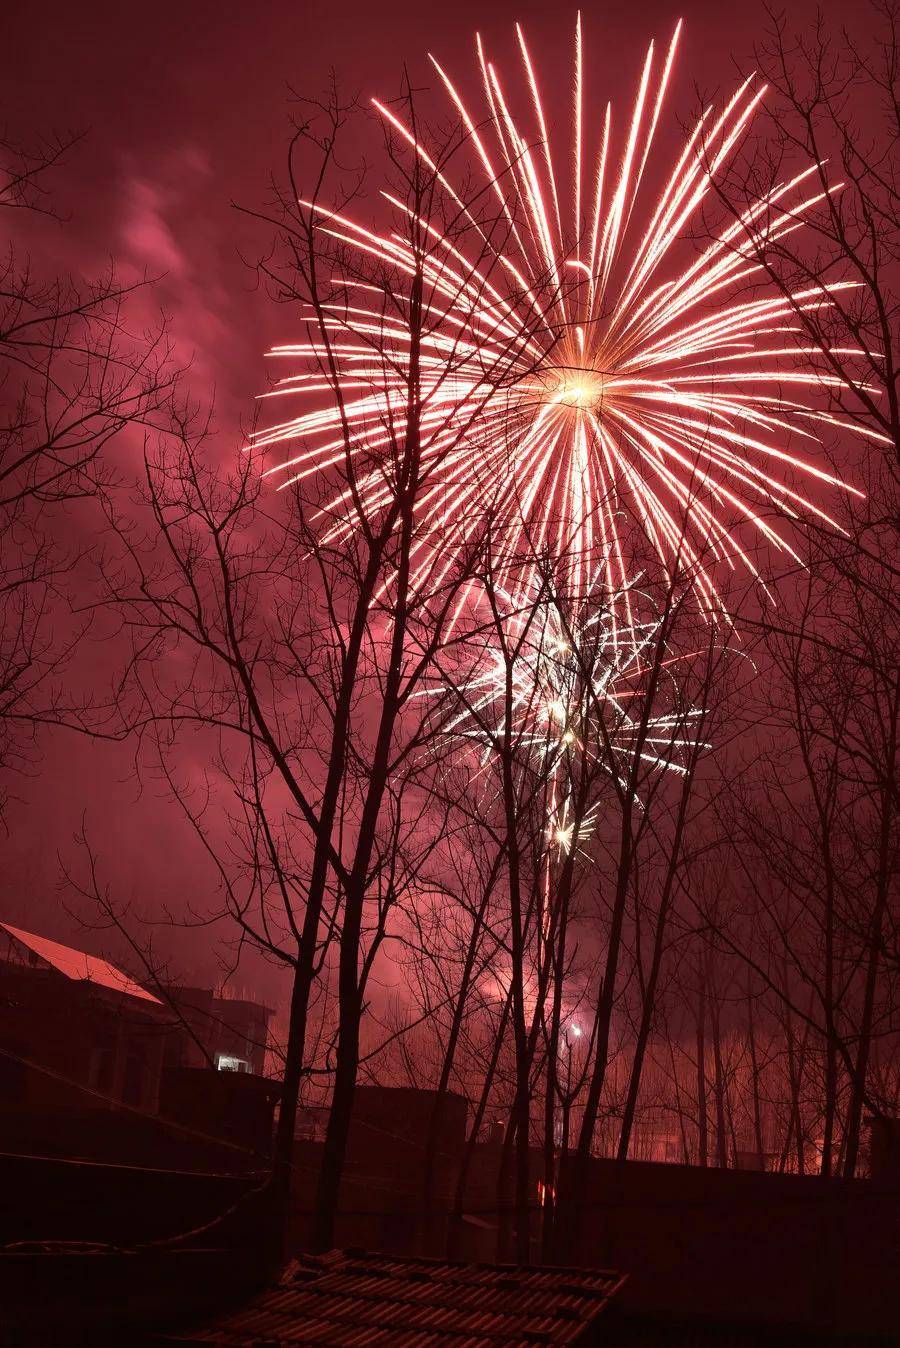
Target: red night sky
185, 109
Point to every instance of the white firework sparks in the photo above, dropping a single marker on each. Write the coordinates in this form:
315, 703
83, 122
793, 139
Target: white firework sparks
559, 685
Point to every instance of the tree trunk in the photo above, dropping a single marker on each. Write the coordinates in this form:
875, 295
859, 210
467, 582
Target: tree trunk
702, 1122
754, 1070
454, 1230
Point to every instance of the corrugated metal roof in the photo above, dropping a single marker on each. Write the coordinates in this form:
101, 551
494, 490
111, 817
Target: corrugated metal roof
355, 1299
79, 966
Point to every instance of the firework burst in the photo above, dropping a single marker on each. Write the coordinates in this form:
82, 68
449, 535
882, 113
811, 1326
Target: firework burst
576, 369
555, 684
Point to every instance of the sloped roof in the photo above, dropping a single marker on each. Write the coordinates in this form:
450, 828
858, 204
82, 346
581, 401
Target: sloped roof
79, 966
360, 1298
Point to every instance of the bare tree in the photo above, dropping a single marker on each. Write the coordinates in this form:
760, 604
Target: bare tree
566, 715
74, 376
825, 831
296, 631
646, 844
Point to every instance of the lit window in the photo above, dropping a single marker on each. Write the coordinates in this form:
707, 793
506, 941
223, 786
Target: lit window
226, 1063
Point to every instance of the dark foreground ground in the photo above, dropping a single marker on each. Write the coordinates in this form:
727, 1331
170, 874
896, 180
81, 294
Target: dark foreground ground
613, 1331
617, 1332
79, 1296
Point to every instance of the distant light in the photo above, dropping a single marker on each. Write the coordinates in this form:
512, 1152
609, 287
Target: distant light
576, 1030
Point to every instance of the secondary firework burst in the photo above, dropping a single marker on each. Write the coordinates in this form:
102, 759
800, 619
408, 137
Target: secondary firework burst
553, 684
574, 368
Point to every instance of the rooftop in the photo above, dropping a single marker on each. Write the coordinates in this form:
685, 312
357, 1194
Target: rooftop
78, 965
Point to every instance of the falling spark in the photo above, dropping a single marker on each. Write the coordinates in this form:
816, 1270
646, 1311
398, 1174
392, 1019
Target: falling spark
576, 369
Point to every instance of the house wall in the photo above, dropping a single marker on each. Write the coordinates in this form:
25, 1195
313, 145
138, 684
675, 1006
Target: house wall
59, 1200
57, 1035
215, 1026
743, 1245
